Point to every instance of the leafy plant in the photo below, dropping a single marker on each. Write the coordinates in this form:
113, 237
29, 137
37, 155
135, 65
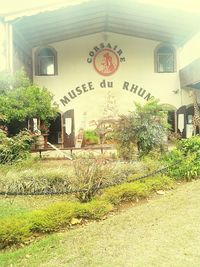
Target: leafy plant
91, 137
184, 160
19, 229
21, 100
16, 148
190, 145
146, 127
136, 190
89, 175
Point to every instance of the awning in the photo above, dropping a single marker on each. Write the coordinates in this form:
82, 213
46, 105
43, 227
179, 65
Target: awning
190, 75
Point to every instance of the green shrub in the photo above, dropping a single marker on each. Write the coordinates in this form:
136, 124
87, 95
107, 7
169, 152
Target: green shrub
16, 148
125, 192
127, 151
18, 229
146, 127
136, 190
183, 167
13, 230
190, 145
184, 160
94, 209
159, 182
91, 137
53, 217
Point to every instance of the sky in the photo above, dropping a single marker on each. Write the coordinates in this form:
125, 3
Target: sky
10, 6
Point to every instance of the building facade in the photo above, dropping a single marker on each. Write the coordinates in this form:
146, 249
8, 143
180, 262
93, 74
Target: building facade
99, 57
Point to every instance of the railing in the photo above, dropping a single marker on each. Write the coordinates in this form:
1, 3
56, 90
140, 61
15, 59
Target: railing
71, 149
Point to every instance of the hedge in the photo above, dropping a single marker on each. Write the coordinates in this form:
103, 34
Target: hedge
21, 229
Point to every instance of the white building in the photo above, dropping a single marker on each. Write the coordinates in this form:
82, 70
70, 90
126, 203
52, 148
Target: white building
98, 57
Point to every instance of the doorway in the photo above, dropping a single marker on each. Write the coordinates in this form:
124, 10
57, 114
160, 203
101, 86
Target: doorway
55, 130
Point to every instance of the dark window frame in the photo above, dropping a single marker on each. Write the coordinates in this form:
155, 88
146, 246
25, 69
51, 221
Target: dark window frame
164, 50
39, 55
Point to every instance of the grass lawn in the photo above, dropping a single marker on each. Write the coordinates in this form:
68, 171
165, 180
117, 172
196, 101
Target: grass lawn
17, 205
165, 231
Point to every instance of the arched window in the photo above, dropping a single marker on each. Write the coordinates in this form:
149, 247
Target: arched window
165, 59
46, 61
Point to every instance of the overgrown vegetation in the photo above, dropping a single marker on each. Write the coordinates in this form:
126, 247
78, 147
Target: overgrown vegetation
184, 159
16, 148
146, 128
21, 100
23, 228
87, 177
90, 137
98, 184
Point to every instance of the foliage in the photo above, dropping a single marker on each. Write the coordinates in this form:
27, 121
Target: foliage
20, 99
16, 148
17, 229
104, 127
41, 181
13, 230
136, 190
91, 137
31, 177
20, 229
51, 218
110, 138
146, 127
89, 175
184, 160
190, 145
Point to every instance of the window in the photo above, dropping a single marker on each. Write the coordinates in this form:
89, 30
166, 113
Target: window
165, 59
45, 61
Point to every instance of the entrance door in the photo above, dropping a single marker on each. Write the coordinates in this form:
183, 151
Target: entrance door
68, 129
55, 131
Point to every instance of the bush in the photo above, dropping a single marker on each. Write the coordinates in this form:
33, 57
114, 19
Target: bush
16, 229
94, 209
190, 145
16, 148
92, 175
53, 217
34, 176
146, 127
89, 176
13, 230
160, 182
136, 190
90, 137
184, 160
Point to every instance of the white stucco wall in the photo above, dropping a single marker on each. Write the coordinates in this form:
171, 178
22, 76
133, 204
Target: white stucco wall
190, 51
138, 69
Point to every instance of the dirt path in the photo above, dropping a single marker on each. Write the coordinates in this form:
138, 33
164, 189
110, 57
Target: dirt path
163, 232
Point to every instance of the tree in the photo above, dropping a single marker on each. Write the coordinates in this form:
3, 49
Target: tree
21, 100
145, 127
